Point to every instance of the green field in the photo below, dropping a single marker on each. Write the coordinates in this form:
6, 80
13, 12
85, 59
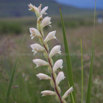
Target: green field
26, 86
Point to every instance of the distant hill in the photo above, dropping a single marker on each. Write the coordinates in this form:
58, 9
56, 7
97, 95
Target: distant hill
17, 8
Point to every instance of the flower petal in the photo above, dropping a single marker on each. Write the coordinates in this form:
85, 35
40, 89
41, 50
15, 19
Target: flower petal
50, 36
58, 64
43, 11
60, 77
40, 62
55, 50
67, 92
43, 76
46, 21
47, 92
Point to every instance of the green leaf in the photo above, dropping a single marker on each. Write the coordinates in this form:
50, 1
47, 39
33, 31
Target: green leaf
91, 65
68, 61
12, 76
81, 73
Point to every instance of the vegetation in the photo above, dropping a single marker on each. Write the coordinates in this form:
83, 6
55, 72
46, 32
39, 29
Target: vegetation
26, 87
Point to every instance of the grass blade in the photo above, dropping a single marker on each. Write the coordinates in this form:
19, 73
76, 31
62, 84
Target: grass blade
68, 60
81, 73
12, 76
91, 65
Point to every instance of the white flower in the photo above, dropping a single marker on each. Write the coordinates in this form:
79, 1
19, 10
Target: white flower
34, 32
46, 21
67, 92
58, 64
43, 76
40, 62
60, 77
47, 92
36, 47
55, 50
38, 10
43, 11
50, 36
34, 9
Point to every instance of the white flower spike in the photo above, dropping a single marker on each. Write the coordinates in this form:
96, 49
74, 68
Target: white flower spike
43, 76
36, 47
67, 92
50, 36
47, 92
60, 77
46, 21
55, 50
44, 47
43, 11
34, 32
40, 62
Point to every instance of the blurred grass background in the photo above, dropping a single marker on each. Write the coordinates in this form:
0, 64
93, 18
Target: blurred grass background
26, 86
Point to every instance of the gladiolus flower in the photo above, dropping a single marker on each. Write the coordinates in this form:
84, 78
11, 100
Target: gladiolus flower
60, 77
46, 21
34, 32
40, 62
47, 92
55, 50
50, 36
43, 76
67, 92
58, 64
36, 47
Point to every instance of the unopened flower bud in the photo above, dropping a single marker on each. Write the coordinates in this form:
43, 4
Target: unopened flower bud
45, 54
58, 64
57, 98
60, 77
50, 36
43, 76
47, 92
67, 92
52, 83
55, 50
40, 62
58, 88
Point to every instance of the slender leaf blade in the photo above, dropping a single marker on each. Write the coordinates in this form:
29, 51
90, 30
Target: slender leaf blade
91, 65
68, 60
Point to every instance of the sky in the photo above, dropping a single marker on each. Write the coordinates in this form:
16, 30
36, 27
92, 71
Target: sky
83, 3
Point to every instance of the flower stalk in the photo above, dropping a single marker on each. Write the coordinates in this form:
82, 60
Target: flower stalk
44, 47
